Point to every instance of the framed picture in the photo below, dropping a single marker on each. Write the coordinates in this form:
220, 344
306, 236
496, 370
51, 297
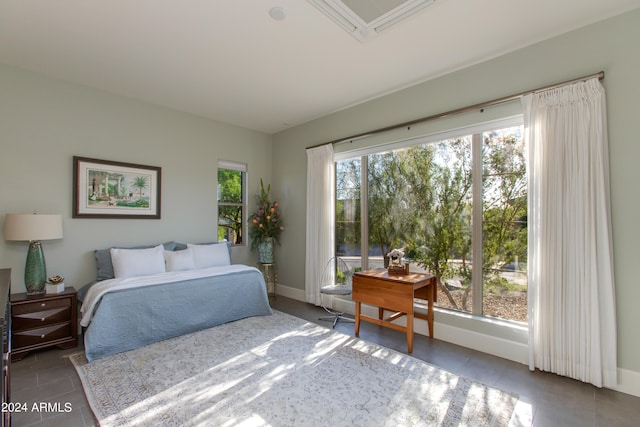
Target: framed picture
105, 189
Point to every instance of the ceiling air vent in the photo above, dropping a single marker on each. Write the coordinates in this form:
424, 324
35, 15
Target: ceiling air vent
364, 19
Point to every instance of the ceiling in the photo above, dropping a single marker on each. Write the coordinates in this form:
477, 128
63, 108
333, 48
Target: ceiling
229, 60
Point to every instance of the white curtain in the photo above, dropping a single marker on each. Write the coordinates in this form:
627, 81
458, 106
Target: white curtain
572, 325
320, 217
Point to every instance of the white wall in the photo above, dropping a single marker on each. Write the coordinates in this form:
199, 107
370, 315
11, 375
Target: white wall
45, 122
611, 46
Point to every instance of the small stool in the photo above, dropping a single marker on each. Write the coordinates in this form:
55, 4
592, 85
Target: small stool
270, 274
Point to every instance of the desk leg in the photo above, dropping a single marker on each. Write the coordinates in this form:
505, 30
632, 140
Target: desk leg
358, 318
410, 332
434, 292
380, 312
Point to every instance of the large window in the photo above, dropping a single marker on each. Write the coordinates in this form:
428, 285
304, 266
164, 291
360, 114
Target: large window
231, 201
457, 206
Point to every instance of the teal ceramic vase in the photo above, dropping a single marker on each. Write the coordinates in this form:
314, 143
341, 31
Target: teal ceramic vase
35, 271
265, 250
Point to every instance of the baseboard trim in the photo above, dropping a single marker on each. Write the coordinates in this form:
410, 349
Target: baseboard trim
289, 292
628, 381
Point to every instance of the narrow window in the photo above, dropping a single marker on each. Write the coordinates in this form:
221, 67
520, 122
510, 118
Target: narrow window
232, 178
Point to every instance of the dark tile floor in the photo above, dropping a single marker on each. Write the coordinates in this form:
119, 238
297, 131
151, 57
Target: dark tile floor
545, 399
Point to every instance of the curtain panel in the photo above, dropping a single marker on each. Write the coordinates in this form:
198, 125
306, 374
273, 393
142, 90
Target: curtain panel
320, 217
572, 325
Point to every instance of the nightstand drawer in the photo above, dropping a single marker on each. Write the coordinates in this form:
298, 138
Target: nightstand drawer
37, 306
41, 335
40, 318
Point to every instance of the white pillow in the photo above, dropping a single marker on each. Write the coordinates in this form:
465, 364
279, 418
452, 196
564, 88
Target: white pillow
214, 255
137, 262
179, 260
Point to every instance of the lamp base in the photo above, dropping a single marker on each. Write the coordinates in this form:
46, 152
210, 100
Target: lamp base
35, 270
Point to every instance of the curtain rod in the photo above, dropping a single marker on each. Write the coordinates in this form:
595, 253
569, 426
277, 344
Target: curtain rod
599, 75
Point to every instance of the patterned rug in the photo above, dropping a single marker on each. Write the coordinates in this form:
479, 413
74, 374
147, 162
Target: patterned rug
280, 370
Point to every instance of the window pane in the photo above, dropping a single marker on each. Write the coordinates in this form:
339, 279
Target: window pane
504, 228
230, 224
348, 235
444, 247
386, 208
229, 186
419, 200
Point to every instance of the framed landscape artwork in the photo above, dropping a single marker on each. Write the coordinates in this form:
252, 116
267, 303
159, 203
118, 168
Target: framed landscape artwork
106, 189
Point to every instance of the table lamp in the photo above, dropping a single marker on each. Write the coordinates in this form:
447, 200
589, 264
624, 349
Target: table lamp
33, 228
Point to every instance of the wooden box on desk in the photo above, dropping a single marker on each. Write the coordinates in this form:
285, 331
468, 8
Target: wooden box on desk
399, 269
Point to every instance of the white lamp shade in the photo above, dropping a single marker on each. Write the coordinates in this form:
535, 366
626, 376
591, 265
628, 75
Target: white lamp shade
32, 227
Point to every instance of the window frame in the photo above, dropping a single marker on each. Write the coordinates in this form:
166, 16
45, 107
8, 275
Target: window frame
239, 167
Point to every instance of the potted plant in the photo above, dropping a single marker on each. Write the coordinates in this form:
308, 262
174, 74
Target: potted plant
265, 225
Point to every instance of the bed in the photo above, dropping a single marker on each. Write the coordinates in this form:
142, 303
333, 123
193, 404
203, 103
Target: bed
144, 295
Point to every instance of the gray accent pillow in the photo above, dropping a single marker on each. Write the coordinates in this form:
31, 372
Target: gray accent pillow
180, 246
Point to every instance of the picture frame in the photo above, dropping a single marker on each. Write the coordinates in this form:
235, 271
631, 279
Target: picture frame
110, 189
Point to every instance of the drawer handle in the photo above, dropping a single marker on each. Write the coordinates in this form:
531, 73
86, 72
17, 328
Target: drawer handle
43, 319
43, 304
42, 336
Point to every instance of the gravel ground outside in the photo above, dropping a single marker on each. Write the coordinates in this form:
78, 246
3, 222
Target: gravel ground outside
510, 305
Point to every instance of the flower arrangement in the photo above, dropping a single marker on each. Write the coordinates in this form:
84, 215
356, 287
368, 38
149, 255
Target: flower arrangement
396, 256
266, 220
395, 266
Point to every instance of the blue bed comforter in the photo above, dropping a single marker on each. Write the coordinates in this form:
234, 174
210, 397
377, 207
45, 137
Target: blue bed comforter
124, 319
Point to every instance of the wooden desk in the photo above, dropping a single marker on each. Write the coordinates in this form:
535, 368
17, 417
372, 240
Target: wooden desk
395, 293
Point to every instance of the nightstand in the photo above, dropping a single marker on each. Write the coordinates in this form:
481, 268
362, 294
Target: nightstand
41, 321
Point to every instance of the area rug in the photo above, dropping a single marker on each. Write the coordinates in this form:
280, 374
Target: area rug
280, 370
